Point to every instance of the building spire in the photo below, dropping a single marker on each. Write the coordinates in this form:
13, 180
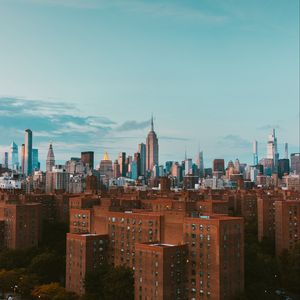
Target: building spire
152, 123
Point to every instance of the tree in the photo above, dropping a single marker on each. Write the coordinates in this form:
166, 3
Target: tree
52, 291
48, 266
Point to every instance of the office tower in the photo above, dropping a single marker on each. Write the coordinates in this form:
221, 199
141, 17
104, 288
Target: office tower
142, 151
35, 160
255, 153
295, 163
23, 158
5, 160
283, 167
84, 253
168, 276
57, 179
200, 163
287, 224
151, 148
272, 151
188, 164
50, 162
237, 166
168, 165
14, 156
106, 166
122, 163
137, 160
219, 166
134, 170
87, 159
28, 153
117, 172
286, 151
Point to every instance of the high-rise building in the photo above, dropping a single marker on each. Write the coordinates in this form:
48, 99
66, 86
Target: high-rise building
255, 153
151, 148
200, 163
5, 160
35, 160
286, 151
272, 151
106, 166
237, 166
188, 164
13, 156
23, 158
142, 151
287, 224
218, 167
283, 167
295, 163
88, 159
28, 152
122, 163
167, 280
57, 179
84, 252
50, 162
117, 172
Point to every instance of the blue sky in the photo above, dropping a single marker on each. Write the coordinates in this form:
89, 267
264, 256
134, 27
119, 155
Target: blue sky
87, 74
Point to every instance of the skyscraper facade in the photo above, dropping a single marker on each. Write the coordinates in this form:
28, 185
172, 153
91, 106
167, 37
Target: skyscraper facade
5, 160
151, 148
142, 151
23, 158
28, 152
295, 163
255, 153
50, 162
272, 150
200, 163
88, 159
122, 163
35, 159
13, 156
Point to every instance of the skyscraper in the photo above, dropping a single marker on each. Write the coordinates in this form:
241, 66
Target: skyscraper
23, 158
200, 163
13, 156
151, 148
35, 159
122, 163
142, 151
255, 153
272, 152
5, 160
88, 159
50, 162
295, 163
28, 152
286, 151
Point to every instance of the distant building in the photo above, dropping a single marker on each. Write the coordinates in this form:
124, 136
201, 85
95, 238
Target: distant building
117, 172
5, 160
295, 163
106, 166
142, 151
14, 156
283, 167
272, 151
122, 163
218, 167
87, 159
151, 148
50, 162
200, 164
28, 152
57, 179
35, 160
23, 158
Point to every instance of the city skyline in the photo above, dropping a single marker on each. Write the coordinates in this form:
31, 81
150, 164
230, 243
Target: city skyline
207, 66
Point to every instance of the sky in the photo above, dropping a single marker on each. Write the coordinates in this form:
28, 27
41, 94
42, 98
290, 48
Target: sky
88, 74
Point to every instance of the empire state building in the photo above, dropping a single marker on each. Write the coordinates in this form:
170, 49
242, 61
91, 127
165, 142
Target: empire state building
151, 148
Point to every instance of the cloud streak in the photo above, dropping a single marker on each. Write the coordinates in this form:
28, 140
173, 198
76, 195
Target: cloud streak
152, 8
